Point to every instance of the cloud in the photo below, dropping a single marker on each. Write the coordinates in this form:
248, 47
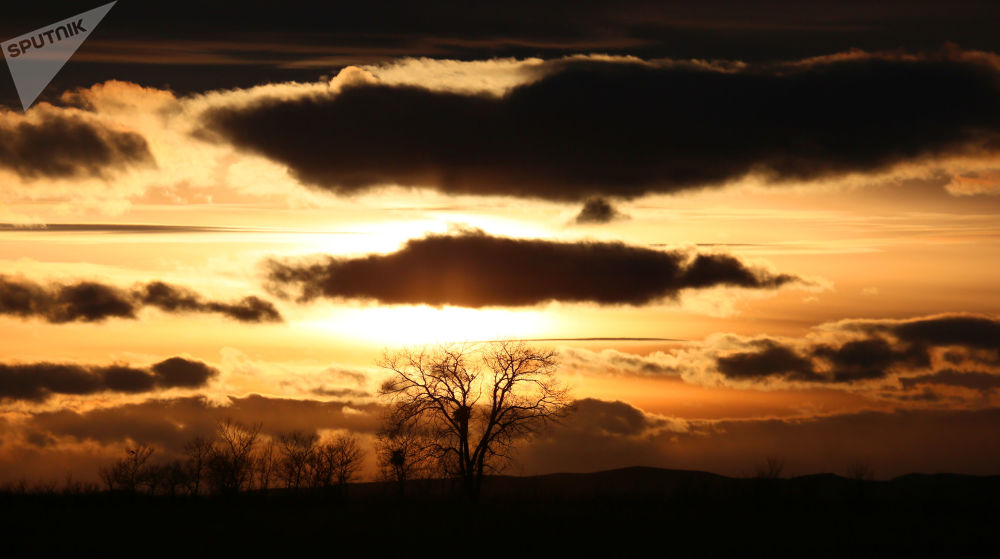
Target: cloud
771, 359
245, 48
88, 301
876, 358
855, 351
963, 330
171, 422
976, 380
972, 184
870, 358
332, 382
474, 269
176, 299
854, 360
37, 382
615, 362
616, 418
180, 372
598, 210
65, 144
117, 228
591, 127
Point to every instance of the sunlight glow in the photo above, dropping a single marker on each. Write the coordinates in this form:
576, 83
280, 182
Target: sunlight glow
412, 325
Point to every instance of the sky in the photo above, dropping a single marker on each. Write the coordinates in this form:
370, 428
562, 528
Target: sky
750, 229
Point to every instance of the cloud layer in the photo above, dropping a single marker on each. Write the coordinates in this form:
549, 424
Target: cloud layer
597, 435
172, 422
37, 382
88, 301
872, 349
623, 128
474, 269
603, 435
949, 360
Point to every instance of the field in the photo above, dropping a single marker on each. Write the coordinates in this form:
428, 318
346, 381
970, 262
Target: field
663, 512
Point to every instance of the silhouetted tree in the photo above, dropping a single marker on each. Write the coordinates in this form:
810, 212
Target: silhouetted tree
347, 456
471, 404
296, 449
334, 464
170, 478
129, 472
198, 451
231, 463
266, 465
861, 470
771, 468
402, 452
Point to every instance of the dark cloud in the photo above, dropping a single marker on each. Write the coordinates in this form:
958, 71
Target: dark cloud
772, 359
88, 301
151, 42
976, 380
473, 269
180, 372
875, 349
37, 382
618, 418
598, 210
851, 361
591, 128
969, 331
127, 379
870, 358
176, 299
64, 145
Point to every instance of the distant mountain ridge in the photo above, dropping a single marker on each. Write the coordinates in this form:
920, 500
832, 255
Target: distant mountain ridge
644, 482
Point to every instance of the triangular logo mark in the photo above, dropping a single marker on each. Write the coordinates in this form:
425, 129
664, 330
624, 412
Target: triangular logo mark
36, 57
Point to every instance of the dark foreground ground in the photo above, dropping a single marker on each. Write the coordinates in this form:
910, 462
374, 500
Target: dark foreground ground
655, 513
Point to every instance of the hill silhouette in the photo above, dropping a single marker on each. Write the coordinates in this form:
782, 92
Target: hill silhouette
646, 483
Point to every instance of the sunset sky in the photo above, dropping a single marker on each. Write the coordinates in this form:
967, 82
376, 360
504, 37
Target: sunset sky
750, 229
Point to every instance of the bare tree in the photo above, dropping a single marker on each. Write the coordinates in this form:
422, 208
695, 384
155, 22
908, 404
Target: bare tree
170, 478
297, 449
472, 403
861, 470
129, 472
198, 451
771, 468
266, 465
231, 464
347, 456
402, 453
336, 463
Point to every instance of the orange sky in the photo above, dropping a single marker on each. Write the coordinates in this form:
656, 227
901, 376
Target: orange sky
910, 241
